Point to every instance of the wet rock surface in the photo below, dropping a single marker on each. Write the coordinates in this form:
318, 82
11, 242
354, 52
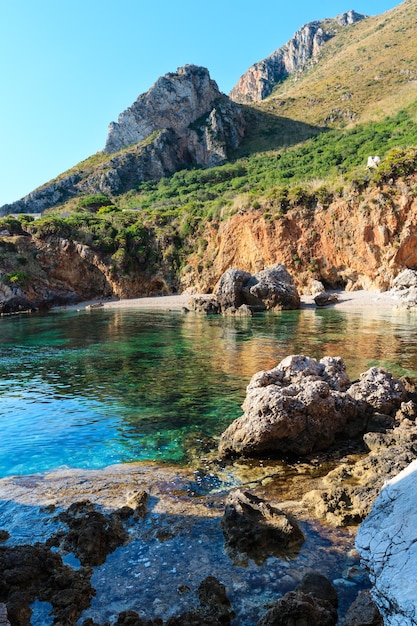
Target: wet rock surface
91, 535
168, 544
254, 529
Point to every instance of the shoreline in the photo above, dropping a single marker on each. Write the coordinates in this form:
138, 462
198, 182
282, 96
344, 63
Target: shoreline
347, 300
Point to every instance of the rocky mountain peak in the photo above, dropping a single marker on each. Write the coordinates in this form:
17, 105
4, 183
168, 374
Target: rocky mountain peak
260, 79
175, 101
185, 120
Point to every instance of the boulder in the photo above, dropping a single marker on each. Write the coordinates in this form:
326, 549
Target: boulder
313, 602
316, 287
206, 305
272, 288
387, 544
405, 279
296, 407
404, 287
325, 298
255, 529
230, 288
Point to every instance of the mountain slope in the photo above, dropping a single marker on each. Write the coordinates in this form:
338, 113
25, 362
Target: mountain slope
365, 72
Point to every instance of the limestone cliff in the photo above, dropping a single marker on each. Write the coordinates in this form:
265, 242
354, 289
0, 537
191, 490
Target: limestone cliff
304, 47
182, 120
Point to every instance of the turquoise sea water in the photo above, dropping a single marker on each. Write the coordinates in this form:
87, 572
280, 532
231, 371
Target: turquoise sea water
92, 388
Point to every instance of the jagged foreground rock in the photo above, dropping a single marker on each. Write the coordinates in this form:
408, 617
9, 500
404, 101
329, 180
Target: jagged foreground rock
387, 542
303, 405
182, 120
304, 47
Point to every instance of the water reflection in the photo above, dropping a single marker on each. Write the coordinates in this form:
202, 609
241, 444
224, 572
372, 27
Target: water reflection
111, 386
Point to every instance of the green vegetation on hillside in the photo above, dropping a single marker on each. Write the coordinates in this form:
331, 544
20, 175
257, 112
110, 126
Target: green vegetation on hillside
329, 159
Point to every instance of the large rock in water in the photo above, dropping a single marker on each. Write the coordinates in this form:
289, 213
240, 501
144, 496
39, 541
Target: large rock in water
387, 543
271, 288
304, 404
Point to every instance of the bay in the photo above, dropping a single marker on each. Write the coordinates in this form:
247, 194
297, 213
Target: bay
91, 388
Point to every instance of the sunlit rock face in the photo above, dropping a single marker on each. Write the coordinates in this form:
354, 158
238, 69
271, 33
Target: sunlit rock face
387, 543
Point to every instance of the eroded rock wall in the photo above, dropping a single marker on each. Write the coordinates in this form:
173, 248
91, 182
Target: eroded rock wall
357, 242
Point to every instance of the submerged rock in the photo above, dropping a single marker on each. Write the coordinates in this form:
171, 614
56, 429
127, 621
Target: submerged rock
35, 572
215, 608
363, 611
255, 529
313, 602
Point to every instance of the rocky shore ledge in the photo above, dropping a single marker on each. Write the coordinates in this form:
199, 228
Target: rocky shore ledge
224, 541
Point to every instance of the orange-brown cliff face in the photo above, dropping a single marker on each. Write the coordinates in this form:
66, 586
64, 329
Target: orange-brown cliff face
357, 242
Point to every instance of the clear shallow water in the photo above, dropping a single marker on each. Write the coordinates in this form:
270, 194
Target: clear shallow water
89, 389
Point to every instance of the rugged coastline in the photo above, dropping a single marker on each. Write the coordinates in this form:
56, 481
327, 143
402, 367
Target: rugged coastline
103, 518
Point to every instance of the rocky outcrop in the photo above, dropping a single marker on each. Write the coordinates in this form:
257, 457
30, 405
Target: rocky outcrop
346, 494
258, 82
189, 103
255, 529
302, 405
387, 543
182, 120
175, 101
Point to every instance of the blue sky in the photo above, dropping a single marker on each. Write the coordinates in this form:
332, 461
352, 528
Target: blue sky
69, 67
